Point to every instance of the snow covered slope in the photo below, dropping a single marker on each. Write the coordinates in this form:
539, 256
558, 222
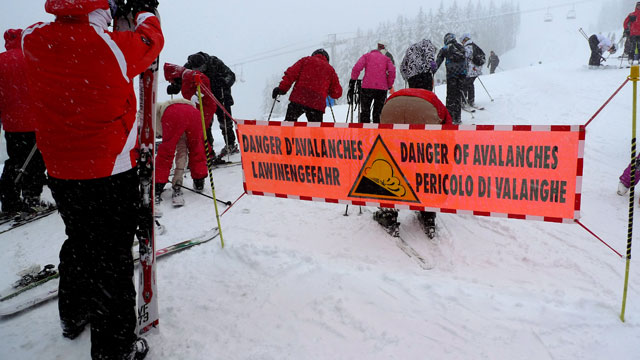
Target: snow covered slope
298, 280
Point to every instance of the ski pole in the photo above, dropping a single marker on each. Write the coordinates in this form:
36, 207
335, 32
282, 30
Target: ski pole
207, 196
272, 106
332, 114
634, 77
485, 88
209, 159
26, 163
583, 34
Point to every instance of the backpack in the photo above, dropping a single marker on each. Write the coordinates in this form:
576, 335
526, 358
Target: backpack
477, 57
456, 52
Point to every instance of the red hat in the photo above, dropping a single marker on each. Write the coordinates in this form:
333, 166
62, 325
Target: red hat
74, 7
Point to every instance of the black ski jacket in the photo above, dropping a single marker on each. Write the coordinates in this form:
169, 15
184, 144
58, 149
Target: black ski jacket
220, 76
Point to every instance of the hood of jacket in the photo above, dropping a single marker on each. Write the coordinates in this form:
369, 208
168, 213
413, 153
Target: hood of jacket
12, 39
74, 7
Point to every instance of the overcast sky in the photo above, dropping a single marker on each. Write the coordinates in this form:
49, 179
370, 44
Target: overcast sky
244, 30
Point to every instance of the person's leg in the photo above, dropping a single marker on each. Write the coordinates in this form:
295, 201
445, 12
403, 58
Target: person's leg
173, 128
34, 177
293, 112
379, 97
313, 115
9, 192
226, 127
366, 98
471, 91
181, 158
454, 95
594, 59
195, 144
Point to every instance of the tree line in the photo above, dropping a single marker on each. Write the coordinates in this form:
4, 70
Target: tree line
492, 27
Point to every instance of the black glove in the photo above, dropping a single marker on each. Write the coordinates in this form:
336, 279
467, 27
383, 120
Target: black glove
352, 87
276, 92
627, 32
173, 89
143, 5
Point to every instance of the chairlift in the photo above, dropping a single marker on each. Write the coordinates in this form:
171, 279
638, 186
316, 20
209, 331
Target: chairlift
548, 17
572, 13
240, 77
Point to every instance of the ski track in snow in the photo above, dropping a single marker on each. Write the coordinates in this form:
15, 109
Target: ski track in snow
298, 280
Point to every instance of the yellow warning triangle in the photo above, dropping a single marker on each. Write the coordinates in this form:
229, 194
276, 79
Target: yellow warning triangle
380, 177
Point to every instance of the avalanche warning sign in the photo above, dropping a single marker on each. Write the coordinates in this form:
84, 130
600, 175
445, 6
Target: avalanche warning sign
381, 178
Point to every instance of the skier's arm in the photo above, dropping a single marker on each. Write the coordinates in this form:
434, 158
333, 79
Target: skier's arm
290, 76
357, 68
335, 90
391, 74
142, 46
439, 58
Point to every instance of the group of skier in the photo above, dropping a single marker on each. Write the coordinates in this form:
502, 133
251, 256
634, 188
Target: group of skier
314, 79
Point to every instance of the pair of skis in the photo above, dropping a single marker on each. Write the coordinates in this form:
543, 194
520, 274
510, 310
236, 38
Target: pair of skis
12, 223
9, 307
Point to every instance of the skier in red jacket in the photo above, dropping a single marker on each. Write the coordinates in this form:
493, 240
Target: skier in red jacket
19, 122
314, 79
81, 77
632, 23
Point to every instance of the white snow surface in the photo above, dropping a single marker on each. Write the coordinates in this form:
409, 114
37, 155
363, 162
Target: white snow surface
298, 280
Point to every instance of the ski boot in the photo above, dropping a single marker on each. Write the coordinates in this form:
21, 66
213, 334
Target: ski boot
156, 205
198, 185
177, 200
34, 274
229, 150
388, 219
428, 223
622, 189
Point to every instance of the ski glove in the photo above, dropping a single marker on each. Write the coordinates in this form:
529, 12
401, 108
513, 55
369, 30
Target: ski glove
276, 92
352, 87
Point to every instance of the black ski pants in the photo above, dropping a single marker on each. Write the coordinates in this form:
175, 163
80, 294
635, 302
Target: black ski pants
226, 123
454, 96
295, 110
96, 265
469, 90
634, 42
367, 97
19, 146
596, 55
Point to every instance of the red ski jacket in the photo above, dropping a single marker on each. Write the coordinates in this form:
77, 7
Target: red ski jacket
414, 106
81, 78
16, 111
633, 26
315, 78
189, 89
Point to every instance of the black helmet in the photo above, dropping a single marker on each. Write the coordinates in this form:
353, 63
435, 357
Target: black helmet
448, 38
197, 62
321, 52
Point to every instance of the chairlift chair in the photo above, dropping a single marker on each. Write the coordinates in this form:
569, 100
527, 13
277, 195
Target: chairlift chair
548, 17
571, 14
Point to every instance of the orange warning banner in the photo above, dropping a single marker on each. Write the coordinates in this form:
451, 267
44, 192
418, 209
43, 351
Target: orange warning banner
515, 171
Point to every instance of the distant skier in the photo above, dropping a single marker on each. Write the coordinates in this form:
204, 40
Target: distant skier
632, 22
599, 44
379, 76
411, 106
221, 79
81, 80
475, 59
493, 62
419, 64
19, 122
179, 118
314, 80
453, 54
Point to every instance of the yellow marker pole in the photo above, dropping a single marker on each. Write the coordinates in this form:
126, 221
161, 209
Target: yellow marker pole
209, 158
634, 77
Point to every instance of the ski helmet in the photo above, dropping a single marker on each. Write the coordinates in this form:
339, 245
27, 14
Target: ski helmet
321, 52
465, 36
449, 38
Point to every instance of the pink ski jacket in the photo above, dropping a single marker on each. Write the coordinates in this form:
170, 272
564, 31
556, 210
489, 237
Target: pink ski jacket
379, 71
